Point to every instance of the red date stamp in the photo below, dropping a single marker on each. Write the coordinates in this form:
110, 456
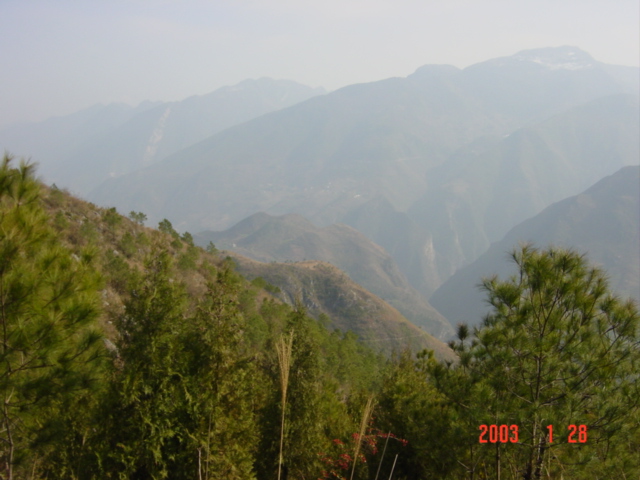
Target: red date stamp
509, 433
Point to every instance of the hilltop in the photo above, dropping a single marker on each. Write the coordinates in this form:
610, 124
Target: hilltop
291, 237
338, 302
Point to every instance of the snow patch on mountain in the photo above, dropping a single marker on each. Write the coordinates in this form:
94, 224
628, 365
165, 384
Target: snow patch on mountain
560, 58
555, 65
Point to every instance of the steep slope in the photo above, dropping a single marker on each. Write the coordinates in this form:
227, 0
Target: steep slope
489, 186
324, 289
328, 155
121, 248
293, 238
51, 140
74, 154
409, 243
603, 222
492, 184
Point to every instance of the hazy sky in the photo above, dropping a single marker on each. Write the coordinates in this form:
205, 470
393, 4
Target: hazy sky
63, 55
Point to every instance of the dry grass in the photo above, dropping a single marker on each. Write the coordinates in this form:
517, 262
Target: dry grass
366, 415
283, 348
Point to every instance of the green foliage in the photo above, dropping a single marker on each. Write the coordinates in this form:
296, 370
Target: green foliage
49, 345
187, 238
262, 283
412, 408
303, 424
128, 244
111, 217
557, 349
88, 233
211, 248
142, 240
142, 413
190, 391
182, 403
60, 221
138, 217
189, 258
118, 270
224, 384
259, 282
560, 350
165, 227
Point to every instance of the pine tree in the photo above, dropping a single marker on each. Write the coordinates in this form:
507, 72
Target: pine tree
558, 349
50, 346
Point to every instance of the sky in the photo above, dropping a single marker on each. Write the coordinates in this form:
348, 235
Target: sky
65, 55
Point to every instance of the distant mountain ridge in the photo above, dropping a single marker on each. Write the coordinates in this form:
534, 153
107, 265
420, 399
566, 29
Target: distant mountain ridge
328, 155
49, 141
491, 185
459, 157
80, 157
603, 222
432, 167
567, 58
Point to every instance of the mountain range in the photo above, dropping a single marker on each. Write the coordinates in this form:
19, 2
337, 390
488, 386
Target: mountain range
330, 154
603, 222
457, 157
491, 185
402, 183
82, 150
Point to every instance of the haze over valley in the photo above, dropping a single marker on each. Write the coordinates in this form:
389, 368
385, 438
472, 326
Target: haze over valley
429, 170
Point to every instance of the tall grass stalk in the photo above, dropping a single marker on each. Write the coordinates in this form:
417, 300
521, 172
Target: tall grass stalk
366, 415
283, 348
394, 466
383, 452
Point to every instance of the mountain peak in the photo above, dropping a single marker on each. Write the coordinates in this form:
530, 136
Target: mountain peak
557, 58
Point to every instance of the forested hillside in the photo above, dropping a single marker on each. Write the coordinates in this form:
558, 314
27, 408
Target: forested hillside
130, 353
